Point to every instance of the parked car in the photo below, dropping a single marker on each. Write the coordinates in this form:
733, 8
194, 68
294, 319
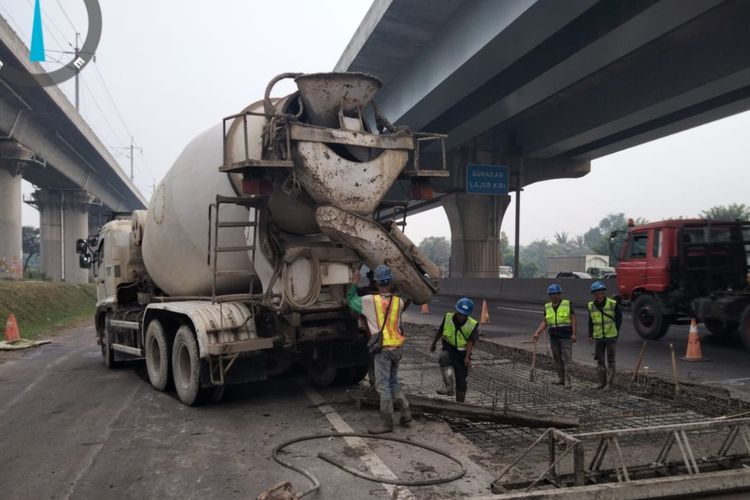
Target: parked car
573, 274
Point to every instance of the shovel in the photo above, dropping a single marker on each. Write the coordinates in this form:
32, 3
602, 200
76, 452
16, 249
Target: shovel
532, 373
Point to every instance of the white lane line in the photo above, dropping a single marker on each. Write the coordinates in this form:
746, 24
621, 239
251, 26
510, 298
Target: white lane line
534, 311
373, 462
94, 451
42, 375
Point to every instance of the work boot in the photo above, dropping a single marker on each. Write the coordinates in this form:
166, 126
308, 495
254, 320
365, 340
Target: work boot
602, 373
560, 376
385, 420
403, 406
610, 377
449, 380
460, 396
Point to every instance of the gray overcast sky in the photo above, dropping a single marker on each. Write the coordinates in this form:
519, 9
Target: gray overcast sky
177, 67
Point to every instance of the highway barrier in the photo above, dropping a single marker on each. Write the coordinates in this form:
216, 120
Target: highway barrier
521, 290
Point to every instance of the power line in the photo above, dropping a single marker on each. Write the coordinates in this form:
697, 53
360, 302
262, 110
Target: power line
51, 23
66, 16
114, 104
104, 116
18, 26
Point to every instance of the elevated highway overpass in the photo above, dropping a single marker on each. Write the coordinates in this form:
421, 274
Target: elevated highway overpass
44, 140
544, 87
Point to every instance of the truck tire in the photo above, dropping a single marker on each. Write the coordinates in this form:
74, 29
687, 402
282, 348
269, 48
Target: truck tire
321, 371
720, 328
648, 319
744, 330
158, 351
186, 367
352, 375
108, 354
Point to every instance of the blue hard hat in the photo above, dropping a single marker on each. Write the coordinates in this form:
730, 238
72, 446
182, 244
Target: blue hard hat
464, 306
383, 274
598, 285
554, 288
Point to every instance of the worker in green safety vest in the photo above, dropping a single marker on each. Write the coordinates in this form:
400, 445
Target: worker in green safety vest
459, 333
605, 318
560, 321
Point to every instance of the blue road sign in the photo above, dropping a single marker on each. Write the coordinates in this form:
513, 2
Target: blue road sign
486, 179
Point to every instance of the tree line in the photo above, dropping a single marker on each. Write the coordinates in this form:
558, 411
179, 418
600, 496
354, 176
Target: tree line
596, 240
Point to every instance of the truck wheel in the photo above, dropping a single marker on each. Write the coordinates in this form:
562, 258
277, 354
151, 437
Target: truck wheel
158, 350
108, 354
186, 367
745, 327
321, 371
215, 394
720, 328
648, 319
352, 375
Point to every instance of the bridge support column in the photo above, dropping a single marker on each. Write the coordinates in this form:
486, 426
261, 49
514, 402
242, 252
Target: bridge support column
475, 233
63, 218
11, 250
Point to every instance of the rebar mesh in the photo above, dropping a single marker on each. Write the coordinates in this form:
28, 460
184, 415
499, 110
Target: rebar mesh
501, 380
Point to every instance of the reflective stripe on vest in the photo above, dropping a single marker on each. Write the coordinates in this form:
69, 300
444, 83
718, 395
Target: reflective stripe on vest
604, 320
561, 317
458, 338
392, 336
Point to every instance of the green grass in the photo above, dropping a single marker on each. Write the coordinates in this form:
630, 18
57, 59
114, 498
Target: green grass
41, 307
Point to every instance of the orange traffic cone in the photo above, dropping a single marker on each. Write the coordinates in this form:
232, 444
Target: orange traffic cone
694, 352
485, 317
425, 309
11, 329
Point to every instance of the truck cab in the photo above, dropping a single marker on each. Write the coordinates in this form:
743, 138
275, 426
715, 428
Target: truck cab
675, 270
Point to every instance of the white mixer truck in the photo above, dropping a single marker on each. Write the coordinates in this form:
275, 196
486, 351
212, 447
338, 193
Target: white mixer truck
239, 268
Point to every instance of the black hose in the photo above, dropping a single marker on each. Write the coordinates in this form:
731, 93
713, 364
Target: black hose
351, 470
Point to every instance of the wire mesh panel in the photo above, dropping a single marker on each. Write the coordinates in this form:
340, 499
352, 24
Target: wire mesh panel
502, 381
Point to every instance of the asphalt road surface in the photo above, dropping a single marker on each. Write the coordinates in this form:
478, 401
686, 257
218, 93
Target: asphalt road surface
71, 428
727, 362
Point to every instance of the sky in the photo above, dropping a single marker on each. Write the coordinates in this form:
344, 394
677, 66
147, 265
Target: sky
167, 70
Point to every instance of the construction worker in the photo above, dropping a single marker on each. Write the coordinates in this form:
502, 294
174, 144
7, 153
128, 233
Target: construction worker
459, 332
382, 310
560, 320
605, 318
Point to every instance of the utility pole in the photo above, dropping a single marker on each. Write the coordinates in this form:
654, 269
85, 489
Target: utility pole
131, 149
78, 71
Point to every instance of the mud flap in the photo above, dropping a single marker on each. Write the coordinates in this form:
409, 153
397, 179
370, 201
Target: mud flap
415, 276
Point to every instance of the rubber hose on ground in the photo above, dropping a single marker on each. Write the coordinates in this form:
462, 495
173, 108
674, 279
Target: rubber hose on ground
351, 470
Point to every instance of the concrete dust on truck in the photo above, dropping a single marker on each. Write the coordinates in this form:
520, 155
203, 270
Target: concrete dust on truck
239, 268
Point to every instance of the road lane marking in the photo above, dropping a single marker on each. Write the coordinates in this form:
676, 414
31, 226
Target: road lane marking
373, 462
42, 375
535, 311
94, 450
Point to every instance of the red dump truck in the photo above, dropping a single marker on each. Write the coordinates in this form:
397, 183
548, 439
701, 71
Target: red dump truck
674, 270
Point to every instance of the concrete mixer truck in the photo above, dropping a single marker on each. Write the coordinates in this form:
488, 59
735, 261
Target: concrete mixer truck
240, 267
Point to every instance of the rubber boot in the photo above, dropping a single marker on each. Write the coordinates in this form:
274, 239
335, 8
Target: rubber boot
403, 407
449, 380
460, 396
610, 377
568, 378
385, 420
602, 373
560, 374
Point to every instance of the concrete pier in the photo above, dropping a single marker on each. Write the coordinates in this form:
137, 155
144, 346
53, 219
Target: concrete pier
11, 252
